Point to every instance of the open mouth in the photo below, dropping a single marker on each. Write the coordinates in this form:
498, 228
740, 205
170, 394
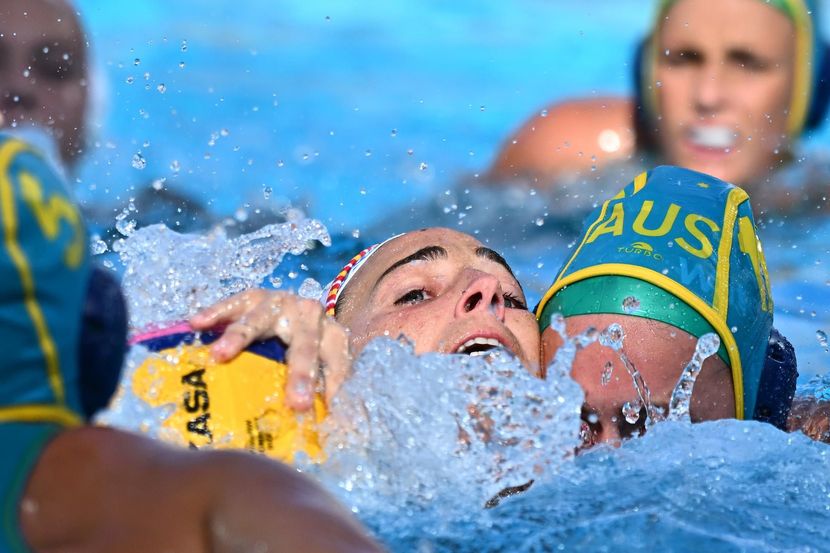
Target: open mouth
711, 136
478, 346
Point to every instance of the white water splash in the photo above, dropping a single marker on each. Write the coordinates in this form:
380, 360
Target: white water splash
169, 276
707, 345
445, 432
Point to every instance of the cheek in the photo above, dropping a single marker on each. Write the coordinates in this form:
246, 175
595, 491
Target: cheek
411, 325
72, 101
526, 330
714, 396
673, 94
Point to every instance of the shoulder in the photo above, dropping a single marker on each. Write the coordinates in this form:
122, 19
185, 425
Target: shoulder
568, 137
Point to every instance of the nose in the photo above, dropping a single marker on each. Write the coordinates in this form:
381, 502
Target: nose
709, 89
481, 294
609, 432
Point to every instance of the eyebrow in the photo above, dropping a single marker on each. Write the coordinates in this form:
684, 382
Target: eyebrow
429, 253
495, 257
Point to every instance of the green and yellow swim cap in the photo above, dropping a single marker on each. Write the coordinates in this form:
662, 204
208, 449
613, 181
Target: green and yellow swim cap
680, 247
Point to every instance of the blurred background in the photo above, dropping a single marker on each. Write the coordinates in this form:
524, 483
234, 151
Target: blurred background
345, 109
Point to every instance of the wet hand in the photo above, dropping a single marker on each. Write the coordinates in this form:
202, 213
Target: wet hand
318, 347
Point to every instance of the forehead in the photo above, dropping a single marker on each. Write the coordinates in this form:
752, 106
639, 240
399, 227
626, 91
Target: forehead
456, 243
37, 20
458, 246
747, 21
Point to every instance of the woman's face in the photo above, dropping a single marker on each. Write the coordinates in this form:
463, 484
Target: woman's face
43, 70
446, 292
725, 72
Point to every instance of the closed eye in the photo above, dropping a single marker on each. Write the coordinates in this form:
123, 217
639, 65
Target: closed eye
413, 297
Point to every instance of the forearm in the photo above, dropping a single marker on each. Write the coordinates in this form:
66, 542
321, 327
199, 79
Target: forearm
261, 502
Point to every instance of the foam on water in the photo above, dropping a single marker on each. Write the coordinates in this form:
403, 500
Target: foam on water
719, 486
169, 276
443, 434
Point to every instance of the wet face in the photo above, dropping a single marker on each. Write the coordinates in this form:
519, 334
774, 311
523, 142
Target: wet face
446, 292
659, 352
43, 70
726, 78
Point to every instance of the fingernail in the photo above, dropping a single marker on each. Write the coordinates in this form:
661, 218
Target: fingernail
302, 390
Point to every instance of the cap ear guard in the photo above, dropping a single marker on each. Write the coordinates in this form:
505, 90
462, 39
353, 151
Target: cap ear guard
103, 341
642, 116
821, 94
777, 386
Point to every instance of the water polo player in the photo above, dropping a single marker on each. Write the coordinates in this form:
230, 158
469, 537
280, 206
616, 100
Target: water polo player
67, 485
672, 257
44, 71
724, 88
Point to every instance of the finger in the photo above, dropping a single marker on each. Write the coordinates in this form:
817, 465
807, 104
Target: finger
303, 356
228, 310
258, 323
335, 356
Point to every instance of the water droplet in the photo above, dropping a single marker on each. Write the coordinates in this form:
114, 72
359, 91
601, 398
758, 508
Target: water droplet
821, 336
423, 166
130, 80
181, 65
266, 192
137, 61
368, 153
630, 304
658, 84
612, 337
543, 113
394, 133
310, 289
175, 166
162, 88
97, 246
124, 225
138, 161
241, 215
276, 282
607, 371
158, 184
184, 46
631, 411
707, 345
539, 221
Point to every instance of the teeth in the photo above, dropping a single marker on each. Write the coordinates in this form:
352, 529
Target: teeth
477, 342
713, 136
